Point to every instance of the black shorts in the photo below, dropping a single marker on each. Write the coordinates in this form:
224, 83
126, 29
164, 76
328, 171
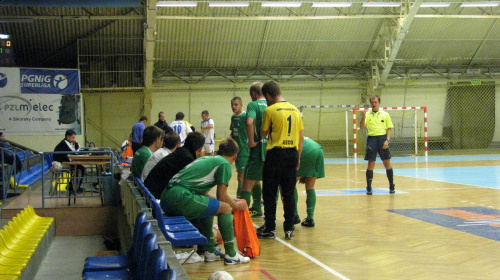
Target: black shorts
374, 145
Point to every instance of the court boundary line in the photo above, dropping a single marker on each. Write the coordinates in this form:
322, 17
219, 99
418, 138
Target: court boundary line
302, 253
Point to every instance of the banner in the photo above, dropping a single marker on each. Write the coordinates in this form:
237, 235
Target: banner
39, 101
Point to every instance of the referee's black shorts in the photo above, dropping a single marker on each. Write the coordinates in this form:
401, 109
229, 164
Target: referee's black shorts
374, 145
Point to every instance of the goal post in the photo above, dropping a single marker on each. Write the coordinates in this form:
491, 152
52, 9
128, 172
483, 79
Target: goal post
409, 125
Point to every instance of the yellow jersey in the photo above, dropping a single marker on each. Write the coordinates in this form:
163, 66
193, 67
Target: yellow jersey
377, 123
284, 124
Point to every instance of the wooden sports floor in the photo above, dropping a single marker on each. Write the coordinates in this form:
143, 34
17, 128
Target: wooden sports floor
442, 223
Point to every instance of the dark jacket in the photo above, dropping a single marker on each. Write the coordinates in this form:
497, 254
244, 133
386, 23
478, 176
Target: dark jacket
63, 147
163, 126
166, 168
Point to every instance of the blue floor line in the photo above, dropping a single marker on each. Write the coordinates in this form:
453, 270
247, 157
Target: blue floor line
417, 159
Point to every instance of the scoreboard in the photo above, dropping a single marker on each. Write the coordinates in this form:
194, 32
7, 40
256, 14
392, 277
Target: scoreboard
6, 51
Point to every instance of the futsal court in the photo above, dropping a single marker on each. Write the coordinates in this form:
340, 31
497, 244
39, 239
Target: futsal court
443, 222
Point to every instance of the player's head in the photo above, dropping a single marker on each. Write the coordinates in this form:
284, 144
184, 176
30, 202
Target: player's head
194, 142
179, 116
271, 91
228, 148
153, 136
171, 140
204, 115
143, 119
237, 105
256, 90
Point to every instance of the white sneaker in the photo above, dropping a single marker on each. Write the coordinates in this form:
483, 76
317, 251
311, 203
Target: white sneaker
215, 256
238, 258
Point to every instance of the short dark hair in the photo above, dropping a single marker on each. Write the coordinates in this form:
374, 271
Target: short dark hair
171, 140
143, 118
194, 141
271, 88
69, 132
375, 96
159, 114
237, 98
151, 133
205, 112
179, 116
257, 88
228, 148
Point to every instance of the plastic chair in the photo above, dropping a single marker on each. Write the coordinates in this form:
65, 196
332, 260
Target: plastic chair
167, 274
31, 213
126, 260
17, 235
20, 246
155, 264
148, 245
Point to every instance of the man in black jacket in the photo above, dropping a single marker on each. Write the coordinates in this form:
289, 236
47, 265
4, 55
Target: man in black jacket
162, 124
69, 145
170, 165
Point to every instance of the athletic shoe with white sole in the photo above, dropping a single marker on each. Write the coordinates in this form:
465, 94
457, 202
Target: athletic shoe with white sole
215, 256
237, 259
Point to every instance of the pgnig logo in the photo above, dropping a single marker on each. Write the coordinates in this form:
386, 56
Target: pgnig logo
60, 81
3, 80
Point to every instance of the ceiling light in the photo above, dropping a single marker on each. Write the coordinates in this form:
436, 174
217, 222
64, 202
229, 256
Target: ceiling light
228, 4
176, 4
480, 4
331, 4
281, 4
435, 4
381, 4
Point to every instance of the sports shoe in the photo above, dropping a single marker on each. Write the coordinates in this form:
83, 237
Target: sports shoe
368, 191
297, 220
308, 222
261, 228
391, 189
237, 259
289, 234
266, 234
215, 256
255, 214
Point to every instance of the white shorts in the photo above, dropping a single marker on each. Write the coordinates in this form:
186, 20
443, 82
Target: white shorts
208, 148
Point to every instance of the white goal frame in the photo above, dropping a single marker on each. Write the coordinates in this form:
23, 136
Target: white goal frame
355, 126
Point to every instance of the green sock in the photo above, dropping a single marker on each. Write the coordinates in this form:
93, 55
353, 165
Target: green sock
257, 197
238, 191
311, 203
277, 196
296, 194
246, 196
205, 226
227, 231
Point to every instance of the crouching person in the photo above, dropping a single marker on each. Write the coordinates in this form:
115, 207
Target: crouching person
187, 195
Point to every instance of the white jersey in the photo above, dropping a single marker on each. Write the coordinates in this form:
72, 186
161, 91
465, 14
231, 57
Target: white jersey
210, 132
153, 160
182, 129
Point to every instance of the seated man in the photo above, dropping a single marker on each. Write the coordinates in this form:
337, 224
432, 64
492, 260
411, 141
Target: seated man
187, 195
171, 142
170, 165
152, 140
70, 145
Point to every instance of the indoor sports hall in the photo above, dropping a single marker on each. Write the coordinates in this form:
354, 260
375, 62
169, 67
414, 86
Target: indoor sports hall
96, 67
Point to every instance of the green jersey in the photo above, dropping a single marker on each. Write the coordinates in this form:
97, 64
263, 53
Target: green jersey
255, 110
139, 161
239, 132
203, 174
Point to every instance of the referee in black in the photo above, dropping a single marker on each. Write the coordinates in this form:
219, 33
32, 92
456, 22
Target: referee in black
283, 125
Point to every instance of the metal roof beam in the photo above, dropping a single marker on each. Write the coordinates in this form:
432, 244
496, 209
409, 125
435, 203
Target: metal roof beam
403, 29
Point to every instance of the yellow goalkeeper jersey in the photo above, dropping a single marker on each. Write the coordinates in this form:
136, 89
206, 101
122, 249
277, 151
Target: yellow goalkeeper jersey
284, 124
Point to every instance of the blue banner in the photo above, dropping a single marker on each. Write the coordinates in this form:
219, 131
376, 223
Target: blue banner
56, 81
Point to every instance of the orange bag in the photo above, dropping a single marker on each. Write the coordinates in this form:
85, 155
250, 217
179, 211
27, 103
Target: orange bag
244, 232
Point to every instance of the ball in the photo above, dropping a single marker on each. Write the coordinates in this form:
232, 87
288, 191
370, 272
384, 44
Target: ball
220, 275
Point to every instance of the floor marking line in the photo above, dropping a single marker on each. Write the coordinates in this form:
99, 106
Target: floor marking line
300, 252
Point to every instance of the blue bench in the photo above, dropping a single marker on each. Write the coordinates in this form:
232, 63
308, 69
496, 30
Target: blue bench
28, 177
177, 230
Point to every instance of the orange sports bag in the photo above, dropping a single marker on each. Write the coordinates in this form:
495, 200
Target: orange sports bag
246, 237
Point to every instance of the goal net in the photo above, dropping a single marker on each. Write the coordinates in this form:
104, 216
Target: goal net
332, 127
408, 137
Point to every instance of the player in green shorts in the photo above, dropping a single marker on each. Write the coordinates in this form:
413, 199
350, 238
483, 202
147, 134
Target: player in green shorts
187, 194
239, 134
312, 166
257, 144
